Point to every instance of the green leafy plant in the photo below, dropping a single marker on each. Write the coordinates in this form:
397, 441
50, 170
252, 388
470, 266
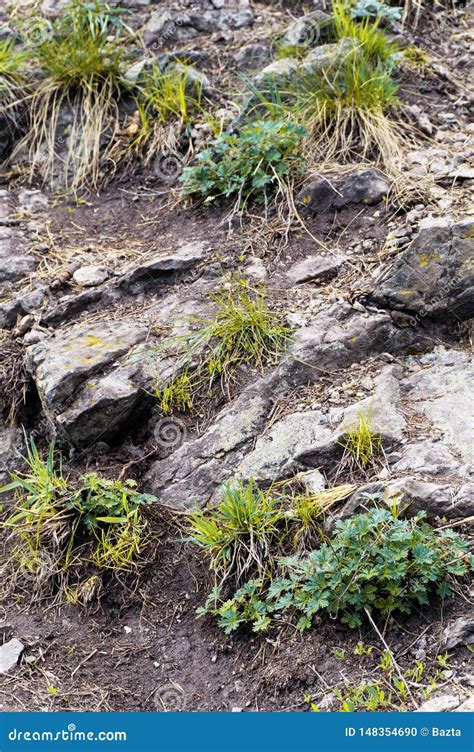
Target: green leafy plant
57, 528
250, 165
13, 82
377, 9
372, 563
82, 65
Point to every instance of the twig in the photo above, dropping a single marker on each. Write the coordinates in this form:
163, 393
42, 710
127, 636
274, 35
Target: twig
83, 662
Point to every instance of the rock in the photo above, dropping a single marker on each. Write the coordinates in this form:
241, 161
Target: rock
60, 364
318, 195
338, 337
90, 276
309, 30
439, 500
10, 443
278, 71
276, 453
440, 389
434, 277
382, 407
467, 706
367, 187
13, 268
195, 79
5, 630
313, 481
252, 56
19, 306
256, 269
32, 200
327, 58
314, 269
439, 704
10, 654
430, 458
101, 408
192, 474
141, 277
459, 632
166, 25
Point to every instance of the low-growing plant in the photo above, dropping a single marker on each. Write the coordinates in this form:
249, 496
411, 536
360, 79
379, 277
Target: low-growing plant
374, 44
167, 103
362, 443
251, 165
237, 534
373, 563
249, 528
13, 83
241, 331
282, 50
176, 394
376, 9
82, 65
57, 528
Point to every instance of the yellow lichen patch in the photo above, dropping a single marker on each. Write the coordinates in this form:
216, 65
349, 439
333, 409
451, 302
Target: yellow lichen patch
425, 258
406, 293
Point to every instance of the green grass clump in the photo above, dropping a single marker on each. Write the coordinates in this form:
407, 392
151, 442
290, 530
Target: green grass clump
82, 65
362, 443
176, 394
241, 331
373, 563
168, 102
249, 527
251, 165
13, 82
58, 528
366, 33
238, 532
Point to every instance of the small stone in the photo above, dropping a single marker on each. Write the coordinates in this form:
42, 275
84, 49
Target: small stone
459, 632
314, 481
235, 709
90, 276
10, 654
318, 195
467, 706
439, 704
367, 187
252, 56
314, 268
127, 630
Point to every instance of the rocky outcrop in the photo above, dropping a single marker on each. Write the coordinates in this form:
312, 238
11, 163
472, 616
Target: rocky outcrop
434, 277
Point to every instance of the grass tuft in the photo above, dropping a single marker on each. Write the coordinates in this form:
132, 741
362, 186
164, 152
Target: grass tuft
82, 65
58, 529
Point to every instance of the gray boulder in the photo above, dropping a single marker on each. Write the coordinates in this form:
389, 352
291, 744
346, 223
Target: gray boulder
191, 475
314, 269
339, 337
434, 277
